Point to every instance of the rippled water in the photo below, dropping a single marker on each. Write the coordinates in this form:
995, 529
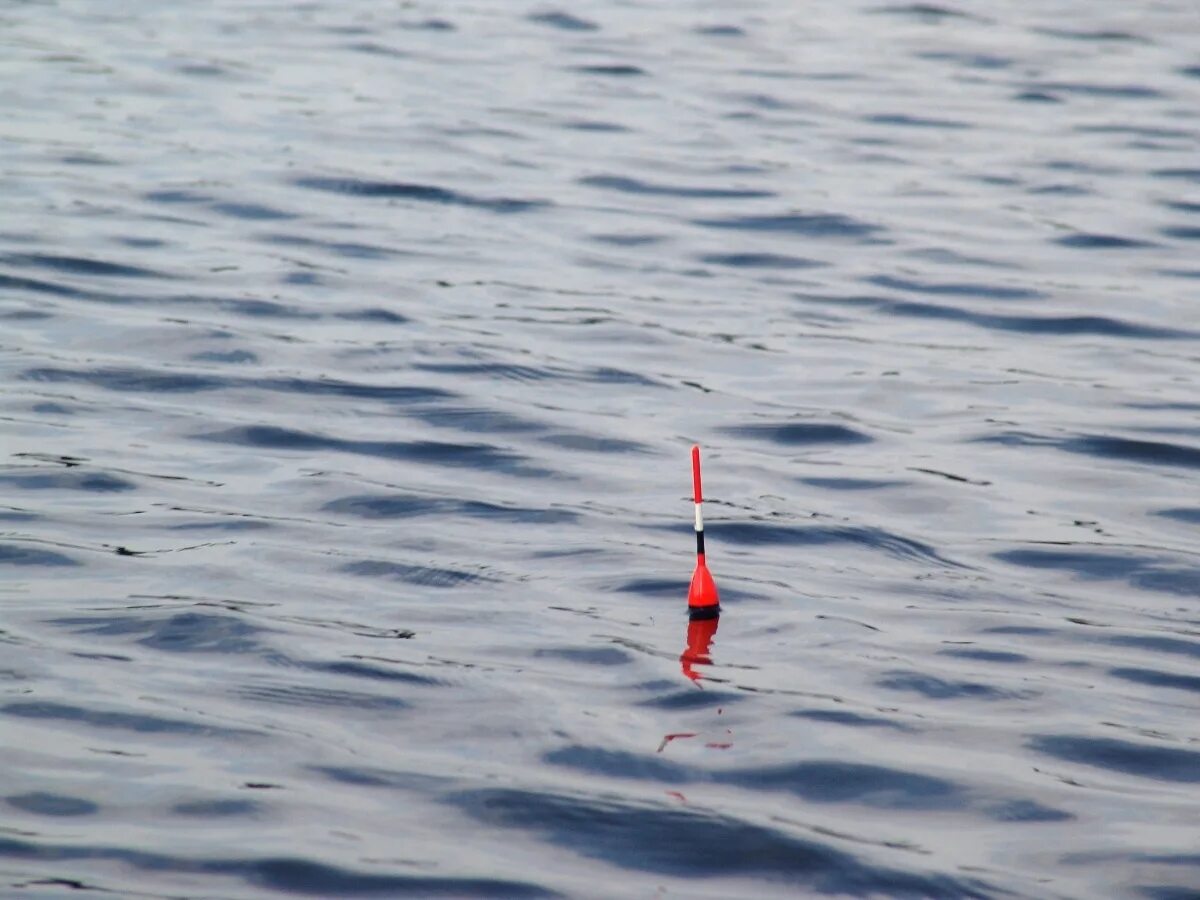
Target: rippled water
351, 356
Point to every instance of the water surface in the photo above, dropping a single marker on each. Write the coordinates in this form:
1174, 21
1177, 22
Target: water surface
350, 355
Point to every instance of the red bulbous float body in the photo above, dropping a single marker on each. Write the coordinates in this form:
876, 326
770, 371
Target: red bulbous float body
702, 595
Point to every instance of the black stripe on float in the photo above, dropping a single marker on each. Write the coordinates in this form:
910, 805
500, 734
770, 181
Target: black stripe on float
699, 543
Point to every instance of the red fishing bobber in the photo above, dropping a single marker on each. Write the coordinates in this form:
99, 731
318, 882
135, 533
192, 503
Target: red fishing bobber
702, 595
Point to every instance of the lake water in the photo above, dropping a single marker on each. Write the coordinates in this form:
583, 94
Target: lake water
350, 357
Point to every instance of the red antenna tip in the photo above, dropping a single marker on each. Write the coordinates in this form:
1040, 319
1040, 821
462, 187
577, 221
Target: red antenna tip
697, 494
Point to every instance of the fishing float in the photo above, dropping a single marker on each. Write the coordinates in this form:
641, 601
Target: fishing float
702, 595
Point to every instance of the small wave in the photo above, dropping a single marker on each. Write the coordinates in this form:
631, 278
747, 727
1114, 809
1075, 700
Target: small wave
425, 576
37, 286
217, 808
291, 875
22, 555
801, 434
957, 289
1155, 761
756, 532
56, 805
1157, 453
563, 21
934, 688
1063, 325
357, 669
851, 484
612, 70
1178, 174
628, 185
930, 11
993, 656
142, 723
37, 478
1148, 572
1106, 91
675, 697
421, 193
1102, 35
374, 315
814, 225
844, 717
477, 456
254, 212
128, 380
79, 265
1085, 241
694, 842
1182, 232
908, 121
1157, 644
187, 632
404, 506
311, 696
759, 261
1156, 678
720, 31
587, 656
828, 781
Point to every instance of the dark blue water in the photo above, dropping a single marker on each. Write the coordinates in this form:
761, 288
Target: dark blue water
350, 354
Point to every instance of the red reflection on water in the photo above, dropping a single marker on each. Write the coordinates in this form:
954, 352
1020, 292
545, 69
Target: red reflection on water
700, 634
667, 738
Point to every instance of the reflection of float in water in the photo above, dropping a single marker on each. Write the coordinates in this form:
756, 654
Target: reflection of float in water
700, 634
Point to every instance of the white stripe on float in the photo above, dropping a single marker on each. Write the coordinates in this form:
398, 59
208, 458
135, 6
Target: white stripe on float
699, 519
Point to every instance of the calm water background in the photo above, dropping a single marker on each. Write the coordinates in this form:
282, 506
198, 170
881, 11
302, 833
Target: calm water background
351, 353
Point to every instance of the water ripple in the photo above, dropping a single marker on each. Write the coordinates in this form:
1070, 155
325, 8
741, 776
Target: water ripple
284, 874
1153, 761
1082, 324
142, 723
438, 453
628, 185
1155, 453
421, 193
694, 842
563, 21
893, 545
349, 361
813, 225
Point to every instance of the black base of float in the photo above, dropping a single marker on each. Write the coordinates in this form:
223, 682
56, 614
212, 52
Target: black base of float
697, 613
